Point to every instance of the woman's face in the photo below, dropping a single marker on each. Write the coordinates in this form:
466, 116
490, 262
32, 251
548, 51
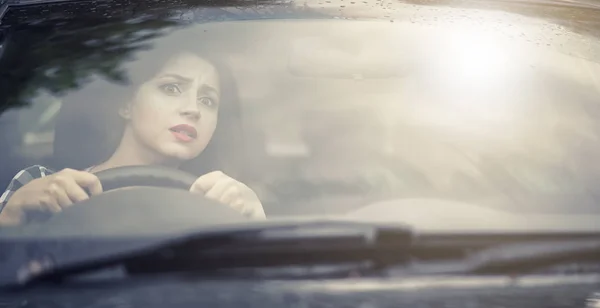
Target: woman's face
175, 113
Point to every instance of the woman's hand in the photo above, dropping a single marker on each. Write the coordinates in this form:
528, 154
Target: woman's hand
51, 193
222, 188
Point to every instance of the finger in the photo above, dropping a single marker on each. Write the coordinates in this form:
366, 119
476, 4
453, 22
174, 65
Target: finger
53, 198
62, 198
53, 207
75, 192
248, 208
259, 213
49, 203
251, 212
206, 182
238, 204
230, 195
95, 186
85, 180
254, 211
220, 187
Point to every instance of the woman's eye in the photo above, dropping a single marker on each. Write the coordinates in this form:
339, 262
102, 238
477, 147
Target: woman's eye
207, 102
171, 88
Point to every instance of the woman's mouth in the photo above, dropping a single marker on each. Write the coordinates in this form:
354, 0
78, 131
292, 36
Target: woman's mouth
184, 132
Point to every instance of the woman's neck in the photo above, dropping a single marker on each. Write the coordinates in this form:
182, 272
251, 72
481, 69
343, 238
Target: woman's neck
131, 153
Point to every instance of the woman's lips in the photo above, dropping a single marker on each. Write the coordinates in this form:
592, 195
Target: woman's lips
184, 132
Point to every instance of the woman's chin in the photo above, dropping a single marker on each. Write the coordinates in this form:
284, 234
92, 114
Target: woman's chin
181, 152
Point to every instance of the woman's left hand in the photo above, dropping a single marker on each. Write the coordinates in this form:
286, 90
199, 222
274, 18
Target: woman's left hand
220, 187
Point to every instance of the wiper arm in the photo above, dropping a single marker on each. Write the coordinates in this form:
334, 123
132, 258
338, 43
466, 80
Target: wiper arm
266, 245
520, 258
519, 254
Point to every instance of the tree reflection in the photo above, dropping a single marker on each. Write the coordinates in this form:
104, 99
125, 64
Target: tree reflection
46, 49
60, 59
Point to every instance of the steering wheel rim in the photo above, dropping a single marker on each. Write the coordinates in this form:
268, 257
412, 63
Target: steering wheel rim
147, 175
157, 186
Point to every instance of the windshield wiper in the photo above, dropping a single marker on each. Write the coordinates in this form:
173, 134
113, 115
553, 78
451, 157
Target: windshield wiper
260, 245
365, 249
506, 254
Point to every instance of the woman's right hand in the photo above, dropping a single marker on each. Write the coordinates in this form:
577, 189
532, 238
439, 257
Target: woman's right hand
51, 193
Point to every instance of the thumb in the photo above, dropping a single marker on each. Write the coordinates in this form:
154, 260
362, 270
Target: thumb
205, 182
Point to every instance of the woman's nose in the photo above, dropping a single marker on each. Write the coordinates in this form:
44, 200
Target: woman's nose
190, 108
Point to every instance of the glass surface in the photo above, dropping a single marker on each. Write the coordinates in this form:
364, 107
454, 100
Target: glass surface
339, 105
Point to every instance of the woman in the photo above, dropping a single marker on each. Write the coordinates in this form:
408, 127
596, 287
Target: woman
169, 120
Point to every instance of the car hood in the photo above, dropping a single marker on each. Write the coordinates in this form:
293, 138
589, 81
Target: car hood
435, 216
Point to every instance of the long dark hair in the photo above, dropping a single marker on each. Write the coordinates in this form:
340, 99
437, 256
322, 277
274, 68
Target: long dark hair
88, 128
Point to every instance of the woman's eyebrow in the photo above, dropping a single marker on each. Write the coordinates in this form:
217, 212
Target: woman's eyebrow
179, 77
207, 88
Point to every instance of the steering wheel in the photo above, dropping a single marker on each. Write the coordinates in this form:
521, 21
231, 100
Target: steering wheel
153, 176
160, 203
159, 209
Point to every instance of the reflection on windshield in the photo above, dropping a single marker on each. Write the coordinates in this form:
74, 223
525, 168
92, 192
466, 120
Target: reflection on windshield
337, 114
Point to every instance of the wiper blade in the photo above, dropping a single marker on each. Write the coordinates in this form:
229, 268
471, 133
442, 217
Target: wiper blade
519, 258
509, 254
260, 245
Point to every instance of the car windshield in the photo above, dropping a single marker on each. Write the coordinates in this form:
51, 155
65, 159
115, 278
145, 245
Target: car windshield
323, 106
